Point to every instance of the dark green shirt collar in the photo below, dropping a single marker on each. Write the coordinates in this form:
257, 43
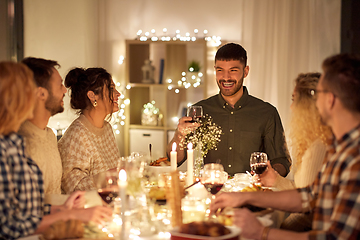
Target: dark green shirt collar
239, 104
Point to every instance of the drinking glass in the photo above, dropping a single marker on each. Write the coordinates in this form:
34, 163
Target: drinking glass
195, 112
107, 185
258, 163
134, 166
213, 166
213, 180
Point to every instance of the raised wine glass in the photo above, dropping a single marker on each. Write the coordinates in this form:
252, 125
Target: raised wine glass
107, 185
195, 112
258, 163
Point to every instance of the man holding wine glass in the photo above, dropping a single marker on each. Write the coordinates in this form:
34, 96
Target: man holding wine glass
248, 124
333, 197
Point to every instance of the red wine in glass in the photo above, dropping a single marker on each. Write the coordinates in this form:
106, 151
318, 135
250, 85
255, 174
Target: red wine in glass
108, 195
259, 168
213, 188
195, 112
195, 119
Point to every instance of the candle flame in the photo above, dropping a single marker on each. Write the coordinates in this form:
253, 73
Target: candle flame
122, 175
174, 146
189, 146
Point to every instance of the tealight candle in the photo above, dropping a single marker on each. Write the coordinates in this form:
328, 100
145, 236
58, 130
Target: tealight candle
173, 157
190, 165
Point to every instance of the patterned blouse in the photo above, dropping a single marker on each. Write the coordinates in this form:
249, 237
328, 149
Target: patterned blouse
334, 198
21, 189
85, 151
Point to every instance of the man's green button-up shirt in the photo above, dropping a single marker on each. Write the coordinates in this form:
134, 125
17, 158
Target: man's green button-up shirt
251, 126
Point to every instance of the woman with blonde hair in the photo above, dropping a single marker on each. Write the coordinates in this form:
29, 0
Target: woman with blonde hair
22, 207
88, 146
307, 143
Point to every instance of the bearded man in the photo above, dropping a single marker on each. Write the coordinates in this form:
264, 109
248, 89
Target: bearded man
248, 123
41, 142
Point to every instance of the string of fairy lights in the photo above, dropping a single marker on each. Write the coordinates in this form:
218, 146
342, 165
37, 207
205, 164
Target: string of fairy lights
191, 78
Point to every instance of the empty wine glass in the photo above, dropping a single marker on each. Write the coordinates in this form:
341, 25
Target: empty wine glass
258, 163
195, 112
107, 185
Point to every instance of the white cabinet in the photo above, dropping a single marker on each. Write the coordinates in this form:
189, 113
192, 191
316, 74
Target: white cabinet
141, 138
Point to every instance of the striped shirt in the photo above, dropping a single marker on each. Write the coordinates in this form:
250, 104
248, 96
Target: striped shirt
334, 197
21, 189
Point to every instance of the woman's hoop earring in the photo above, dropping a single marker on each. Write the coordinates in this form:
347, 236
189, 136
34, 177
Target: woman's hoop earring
95, 103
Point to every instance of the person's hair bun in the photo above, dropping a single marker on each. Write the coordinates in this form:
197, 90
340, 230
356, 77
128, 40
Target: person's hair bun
74, 77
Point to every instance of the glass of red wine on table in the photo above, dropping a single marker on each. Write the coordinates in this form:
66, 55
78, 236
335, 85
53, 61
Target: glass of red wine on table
107, 185
213, 181
258, 164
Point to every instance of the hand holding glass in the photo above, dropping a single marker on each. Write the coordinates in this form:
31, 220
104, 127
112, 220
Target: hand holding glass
195, 112
258, 163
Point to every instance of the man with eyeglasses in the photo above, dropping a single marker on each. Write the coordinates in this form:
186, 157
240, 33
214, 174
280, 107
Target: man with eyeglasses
334, 197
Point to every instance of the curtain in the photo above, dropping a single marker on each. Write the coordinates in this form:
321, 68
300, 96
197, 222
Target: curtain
284, 38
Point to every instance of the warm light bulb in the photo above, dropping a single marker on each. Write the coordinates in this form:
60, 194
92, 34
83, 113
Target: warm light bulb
196, 30
164, 30
177, 90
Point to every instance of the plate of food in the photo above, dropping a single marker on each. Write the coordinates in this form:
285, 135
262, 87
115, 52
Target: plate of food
204, 230
161, 165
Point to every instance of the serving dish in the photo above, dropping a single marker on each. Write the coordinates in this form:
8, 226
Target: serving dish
233, 235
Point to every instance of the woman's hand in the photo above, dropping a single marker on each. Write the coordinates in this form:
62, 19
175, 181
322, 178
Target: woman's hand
233, 199
75, 200
97, 214
268, 178
250, 227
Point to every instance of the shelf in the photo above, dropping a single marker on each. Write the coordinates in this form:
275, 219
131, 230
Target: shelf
176, 56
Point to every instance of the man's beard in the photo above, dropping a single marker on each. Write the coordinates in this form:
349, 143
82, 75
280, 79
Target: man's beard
53, 106
238, 86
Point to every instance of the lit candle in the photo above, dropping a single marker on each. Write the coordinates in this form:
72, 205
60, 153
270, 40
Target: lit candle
122, 192
173, 157
190, 165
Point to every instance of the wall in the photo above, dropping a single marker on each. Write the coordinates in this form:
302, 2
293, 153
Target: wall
283, 37
65, 31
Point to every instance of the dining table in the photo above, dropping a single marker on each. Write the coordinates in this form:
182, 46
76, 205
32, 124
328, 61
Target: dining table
269, 217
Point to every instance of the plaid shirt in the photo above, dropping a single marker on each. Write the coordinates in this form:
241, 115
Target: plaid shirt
334, 197
21, 190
